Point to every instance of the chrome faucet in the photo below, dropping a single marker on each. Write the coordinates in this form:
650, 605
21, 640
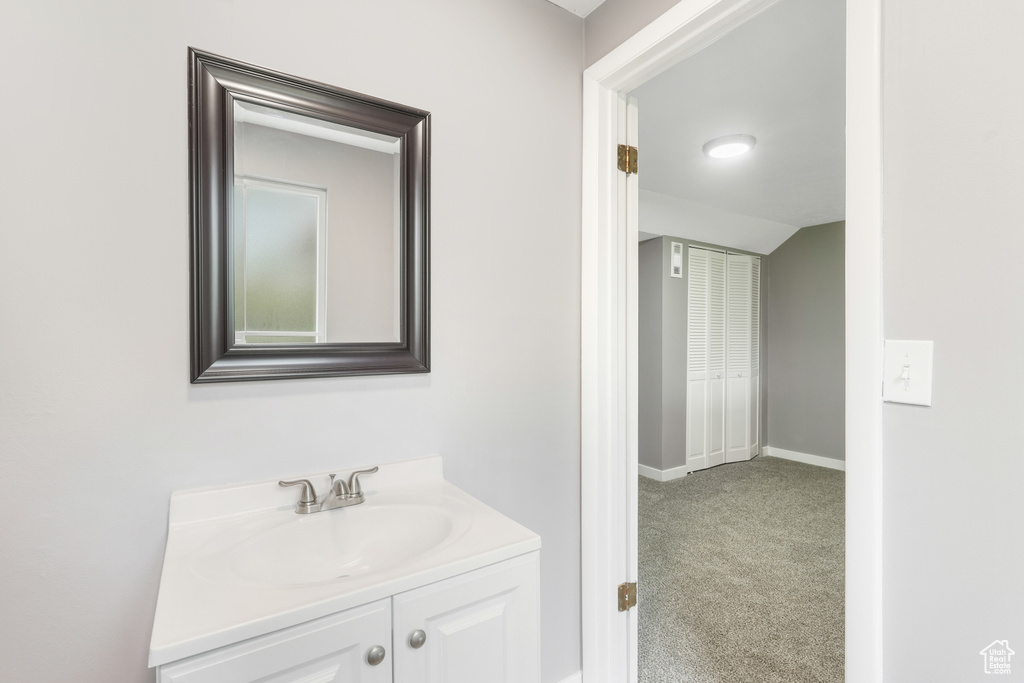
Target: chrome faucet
341, 495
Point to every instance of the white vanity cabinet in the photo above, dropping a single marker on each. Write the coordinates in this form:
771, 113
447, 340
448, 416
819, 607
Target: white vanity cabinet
481, 627
478, 627
252, 592
332, 648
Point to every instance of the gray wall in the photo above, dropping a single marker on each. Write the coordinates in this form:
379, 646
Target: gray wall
662, 351
674, 310
806, 345
98, 422
649, 348
953, 473
616, 20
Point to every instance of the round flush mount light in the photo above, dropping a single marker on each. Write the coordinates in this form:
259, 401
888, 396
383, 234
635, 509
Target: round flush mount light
729, 146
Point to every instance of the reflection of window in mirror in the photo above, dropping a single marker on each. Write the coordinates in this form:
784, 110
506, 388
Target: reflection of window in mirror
279, 262
359, 256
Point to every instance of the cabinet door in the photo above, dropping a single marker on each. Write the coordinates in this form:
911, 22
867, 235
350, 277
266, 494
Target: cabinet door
328, 650
480, 627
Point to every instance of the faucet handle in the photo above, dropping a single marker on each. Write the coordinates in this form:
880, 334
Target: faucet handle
307, 501
353, 481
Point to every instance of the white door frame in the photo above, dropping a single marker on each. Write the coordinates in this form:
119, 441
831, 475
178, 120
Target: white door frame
609, 333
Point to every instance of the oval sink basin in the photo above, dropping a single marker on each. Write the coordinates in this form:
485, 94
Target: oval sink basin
334, 545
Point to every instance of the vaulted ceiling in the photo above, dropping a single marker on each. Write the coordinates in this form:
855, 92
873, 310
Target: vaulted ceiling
781, 78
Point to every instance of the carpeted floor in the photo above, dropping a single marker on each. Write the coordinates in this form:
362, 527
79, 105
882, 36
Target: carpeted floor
741, 575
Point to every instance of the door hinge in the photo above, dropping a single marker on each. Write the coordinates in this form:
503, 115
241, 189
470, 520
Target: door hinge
627, 159
627, 596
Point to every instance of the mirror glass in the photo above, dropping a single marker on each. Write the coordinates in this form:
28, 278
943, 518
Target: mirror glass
317, 238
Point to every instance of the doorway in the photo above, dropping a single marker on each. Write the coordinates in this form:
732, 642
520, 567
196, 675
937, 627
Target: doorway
609, 328
741, 567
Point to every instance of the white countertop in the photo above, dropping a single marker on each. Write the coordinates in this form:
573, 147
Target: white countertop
205, 602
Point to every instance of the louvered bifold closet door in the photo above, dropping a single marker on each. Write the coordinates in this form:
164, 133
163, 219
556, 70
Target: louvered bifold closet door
697, 358
705, 339
738, 357
716, 359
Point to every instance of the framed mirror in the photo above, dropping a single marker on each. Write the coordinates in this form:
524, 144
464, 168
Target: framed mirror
310, 211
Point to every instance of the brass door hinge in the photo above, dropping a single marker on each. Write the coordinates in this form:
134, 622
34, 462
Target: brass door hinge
627, 596
627, 159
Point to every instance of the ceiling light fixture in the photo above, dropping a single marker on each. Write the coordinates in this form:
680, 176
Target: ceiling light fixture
729, 146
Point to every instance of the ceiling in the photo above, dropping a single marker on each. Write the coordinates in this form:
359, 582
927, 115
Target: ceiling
580, 8
779, 77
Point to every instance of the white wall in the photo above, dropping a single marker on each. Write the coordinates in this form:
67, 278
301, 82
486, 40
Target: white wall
98, 423
953, 473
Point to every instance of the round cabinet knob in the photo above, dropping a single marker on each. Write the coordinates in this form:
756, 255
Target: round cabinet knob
416, 639
375, 656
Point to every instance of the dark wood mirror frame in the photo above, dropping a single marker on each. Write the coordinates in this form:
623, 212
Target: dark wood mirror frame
214, 84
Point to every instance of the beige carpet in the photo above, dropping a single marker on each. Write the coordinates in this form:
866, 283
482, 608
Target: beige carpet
741, 575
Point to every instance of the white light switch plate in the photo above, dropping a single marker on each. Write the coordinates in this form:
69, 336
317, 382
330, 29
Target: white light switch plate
907, 372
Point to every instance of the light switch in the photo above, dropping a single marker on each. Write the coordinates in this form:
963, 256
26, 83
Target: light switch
907, 372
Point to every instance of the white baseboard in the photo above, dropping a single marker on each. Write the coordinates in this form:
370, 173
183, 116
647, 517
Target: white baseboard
807, 458
575, 678
663, 475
